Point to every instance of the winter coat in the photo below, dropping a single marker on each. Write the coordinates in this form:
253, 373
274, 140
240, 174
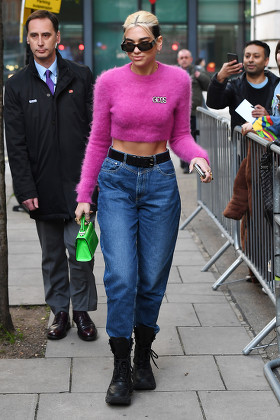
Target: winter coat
46, 136
232, 92
240, 204
199, 84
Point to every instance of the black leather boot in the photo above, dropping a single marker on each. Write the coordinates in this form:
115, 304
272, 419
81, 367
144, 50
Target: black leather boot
142, 374
120, 388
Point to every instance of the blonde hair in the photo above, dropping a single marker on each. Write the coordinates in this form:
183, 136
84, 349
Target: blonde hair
146, 20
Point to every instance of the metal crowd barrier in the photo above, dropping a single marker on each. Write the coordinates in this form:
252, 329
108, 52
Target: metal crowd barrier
215, 136
259, 243
274, 364
257, 247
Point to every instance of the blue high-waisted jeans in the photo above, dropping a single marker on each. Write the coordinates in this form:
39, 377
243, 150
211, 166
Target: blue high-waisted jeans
138, 214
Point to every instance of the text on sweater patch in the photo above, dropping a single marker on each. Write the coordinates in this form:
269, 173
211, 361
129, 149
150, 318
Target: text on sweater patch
159, 99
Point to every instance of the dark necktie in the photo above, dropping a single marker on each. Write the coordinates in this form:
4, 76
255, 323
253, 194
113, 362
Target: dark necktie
49, 81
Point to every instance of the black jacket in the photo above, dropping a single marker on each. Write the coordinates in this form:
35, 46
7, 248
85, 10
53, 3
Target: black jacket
46, 136
199, 84
232, 92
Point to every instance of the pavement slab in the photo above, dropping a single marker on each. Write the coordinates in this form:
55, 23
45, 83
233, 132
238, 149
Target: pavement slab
167, 342
91, 406
241, 373
184, 244
191, 274
195, 288
32, 376
99, 316
174, 276
193, 293
187, 373
99, 273
219, 315
101, 294
98, 258
18, 295
239, 405
33, 247
179, 314
25, 260
188, 258
26, 277
26, 235
213, 340
73, 346
18, 406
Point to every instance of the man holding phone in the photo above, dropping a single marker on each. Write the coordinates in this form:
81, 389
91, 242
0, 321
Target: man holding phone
254, 83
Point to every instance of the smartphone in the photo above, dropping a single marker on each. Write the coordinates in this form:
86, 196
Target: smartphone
199, 170
232, 56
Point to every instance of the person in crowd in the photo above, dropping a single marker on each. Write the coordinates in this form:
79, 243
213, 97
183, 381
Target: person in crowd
200, 81
200, 63
255, 84
47, 120
276, 96
138, 108
268, 126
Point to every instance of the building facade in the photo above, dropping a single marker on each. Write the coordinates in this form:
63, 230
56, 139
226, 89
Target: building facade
265, 18
91, 30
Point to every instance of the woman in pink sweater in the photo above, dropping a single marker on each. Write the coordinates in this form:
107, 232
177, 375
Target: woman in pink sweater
138, 108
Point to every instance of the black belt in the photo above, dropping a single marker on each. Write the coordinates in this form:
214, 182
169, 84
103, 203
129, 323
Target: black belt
140, 161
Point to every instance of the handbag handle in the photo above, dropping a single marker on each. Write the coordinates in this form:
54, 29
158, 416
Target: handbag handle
82, 228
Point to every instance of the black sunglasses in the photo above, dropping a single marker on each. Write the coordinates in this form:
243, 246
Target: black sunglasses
142, 46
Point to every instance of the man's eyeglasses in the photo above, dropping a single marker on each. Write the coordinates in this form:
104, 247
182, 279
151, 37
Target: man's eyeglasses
142, 46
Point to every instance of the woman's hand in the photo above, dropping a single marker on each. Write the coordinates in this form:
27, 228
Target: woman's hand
245, 128
204, 166
82, 208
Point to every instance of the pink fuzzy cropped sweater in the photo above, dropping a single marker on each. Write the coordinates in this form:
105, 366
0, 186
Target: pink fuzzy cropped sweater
138, 108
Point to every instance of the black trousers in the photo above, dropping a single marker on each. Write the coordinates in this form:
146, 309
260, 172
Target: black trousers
65, 278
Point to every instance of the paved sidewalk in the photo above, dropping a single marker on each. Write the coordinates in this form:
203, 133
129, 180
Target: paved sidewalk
202, 373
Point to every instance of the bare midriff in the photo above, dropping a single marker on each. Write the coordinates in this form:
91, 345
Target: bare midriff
140, 148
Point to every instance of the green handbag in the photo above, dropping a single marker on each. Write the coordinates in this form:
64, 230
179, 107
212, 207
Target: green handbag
86, 241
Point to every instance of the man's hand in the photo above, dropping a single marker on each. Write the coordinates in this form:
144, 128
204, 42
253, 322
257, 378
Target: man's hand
31, 204
259, 111
228, 69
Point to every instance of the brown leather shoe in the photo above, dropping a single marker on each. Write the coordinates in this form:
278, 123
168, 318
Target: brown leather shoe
85, 326
59, 327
